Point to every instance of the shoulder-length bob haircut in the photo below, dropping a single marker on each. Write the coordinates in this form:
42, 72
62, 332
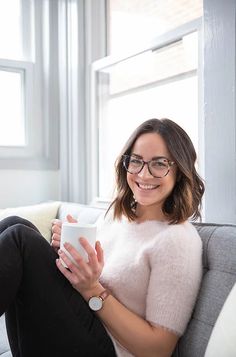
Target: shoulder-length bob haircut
185, 200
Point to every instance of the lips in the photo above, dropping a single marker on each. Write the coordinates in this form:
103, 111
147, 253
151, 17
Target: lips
146, 186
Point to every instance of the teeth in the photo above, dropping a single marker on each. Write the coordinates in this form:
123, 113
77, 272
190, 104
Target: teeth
147, 187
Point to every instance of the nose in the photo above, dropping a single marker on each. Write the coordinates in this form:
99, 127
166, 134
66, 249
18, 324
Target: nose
145, 172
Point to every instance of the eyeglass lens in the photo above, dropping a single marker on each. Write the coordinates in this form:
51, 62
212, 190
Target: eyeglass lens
157, 167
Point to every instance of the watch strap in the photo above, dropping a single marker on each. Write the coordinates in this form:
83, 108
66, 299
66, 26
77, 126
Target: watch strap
104, 294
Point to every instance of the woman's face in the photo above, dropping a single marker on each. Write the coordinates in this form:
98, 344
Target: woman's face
150, 192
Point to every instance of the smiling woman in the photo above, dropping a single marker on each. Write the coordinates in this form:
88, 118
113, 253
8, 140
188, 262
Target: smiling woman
95, 303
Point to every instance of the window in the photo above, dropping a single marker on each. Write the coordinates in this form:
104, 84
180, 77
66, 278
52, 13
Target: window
159, 81
11, 78
29, 103
143, 21
13, 70
12, 116
10, 29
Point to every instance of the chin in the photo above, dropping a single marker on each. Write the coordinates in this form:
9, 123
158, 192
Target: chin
144, 203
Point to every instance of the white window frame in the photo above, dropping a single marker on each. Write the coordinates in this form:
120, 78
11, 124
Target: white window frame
219, 113
160, 42
41, 104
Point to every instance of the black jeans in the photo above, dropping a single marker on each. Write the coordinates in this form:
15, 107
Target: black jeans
45, 315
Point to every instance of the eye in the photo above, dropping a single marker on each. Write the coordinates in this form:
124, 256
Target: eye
135, 161
159, 163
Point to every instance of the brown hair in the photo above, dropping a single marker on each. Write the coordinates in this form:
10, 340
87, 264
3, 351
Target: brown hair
185, 199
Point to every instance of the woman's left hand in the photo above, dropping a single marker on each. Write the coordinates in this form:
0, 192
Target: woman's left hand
84, 276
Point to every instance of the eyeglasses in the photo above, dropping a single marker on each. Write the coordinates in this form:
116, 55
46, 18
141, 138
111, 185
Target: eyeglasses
158, 167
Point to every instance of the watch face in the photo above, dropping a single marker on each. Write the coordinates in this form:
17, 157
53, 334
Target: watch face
95, 303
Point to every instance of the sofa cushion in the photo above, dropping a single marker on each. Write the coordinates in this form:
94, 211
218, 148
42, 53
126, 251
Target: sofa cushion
84, 214
40, 215
222, 340
4, 345
219, 261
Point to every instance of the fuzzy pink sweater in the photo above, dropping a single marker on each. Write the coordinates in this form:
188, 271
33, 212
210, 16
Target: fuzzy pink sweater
154, 269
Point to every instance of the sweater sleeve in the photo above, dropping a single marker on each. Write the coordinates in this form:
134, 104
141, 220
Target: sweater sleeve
176, 271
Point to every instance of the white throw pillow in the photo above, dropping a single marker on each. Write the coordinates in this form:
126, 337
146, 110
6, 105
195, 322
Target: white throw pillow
40, 215
223, 338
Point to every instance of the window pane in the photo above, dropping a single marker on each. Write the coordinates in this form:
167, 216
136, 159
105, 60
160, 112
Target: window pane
157, 84
10, 29
134, 23
12, 126
166, 62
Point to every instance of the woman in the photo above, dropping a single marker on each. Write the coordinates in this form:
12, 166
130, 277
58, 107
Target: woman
136, 294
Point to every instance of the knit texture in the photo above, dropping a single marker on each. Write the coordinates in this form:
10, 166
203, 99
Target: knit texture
154, 269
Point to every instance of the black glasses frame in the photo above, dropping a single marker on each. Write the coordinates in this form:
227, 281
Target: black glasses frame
170, 163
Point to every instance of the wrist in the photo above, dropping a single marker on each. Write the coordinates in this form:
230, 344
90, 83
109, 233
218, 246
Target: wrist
93, 291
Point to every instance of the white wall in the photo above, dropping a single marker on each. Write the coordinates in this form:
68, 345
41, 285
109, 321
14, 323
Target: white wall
18, 187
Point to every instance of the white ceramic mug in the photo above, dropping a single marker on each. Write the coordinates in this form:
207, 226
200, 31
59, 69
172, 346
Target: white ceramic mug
71, 232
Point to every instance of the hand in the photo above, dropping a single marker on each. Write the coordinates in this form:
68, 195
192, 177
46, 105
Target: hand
56, 231
84, 276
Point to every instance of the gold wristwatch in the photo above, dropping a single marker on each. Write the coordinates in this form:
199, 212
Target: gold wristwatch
96, 302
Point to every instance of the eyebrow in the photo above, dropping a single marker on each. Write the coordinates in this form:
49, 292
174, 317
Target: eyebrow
153, 158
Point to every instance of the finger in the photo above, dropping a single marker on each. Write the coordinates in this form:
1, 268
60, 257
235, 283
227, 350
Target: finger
100, 255
67, 260
66, 272
55, 243
71, 219
83, 266
56, 221
92, 256
79, 272
56, 229
56, 236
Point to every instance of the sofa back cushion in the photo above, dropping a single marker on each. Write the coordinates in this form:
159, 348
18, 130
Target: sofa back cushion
85, 214
219, 261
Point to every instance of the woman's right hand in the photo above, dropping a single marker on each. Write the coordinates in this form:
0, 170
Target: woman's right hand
56, 231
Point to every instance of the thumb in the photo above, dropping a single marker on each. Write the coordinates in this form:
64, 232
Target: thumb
71, 219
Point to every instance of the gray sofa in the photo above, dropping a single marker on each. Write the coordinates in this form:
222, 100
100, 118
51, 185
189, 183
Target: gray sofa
219, 260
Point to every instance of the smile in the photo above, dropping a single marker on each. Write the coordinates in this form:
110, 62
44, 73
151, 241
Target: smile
147, 187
